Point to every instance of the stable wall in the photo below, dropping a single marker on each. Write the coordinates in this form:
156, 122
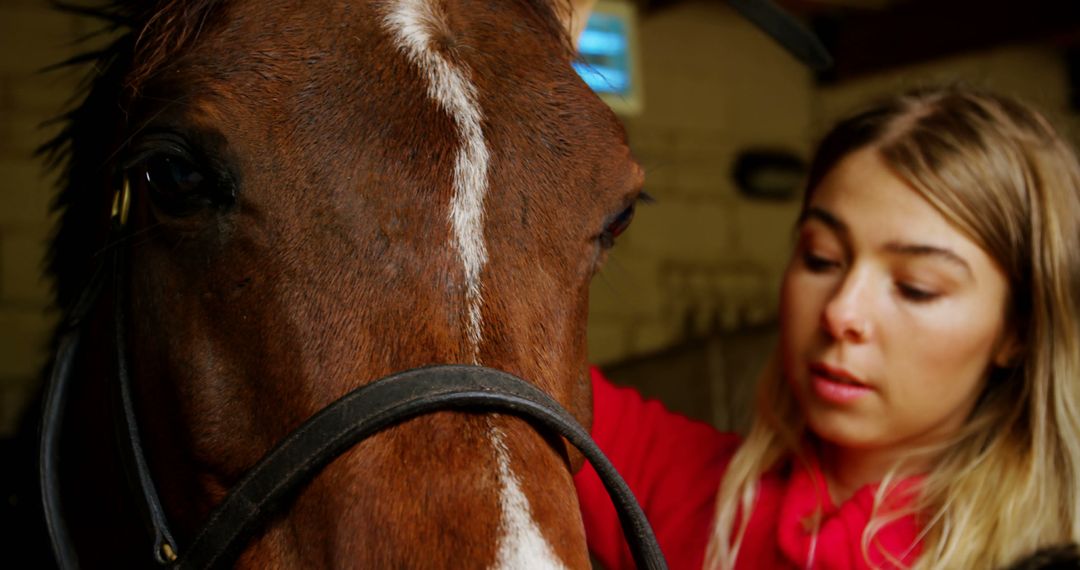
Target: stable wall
686, 309
703, 257
32, 36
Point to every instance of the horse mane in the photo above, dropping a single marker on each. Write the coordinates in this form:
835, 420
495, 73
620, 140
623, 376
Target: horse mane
91, 127
151, 35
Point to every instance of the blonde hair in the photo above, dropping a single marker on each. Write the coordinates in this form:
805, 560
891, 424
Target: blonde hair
1009, 482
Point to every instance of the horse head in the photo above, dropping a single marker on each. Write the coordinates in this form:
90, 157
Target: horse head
323, 193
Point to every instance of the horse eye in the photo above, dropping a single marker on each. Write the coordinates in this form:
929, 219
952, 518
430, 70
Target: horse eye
617, 226
175, 184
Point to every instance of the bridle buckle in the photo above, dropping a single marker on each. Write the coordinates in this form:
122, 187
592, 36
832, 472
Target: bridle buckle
121, 204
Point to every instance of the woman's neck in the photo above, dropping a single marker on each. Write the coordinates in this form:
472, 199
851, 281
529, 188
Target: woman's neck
848, 470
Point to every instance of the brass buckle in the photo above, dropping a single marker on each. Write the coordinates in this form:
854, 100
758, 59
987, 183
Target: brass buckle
121, 203
167, 552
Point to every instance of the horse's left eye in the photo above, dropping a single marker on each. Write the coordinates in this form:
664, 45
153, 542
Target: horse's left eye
174, 183
173, 175
617, 226
177, 173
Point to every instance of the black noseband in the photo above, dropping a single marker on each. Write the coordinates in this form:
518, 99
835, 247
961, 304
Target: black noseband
374, 407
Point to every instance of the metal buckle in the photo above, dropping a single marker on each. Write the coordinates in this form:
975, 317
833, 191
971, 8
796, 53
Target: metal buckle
121, 203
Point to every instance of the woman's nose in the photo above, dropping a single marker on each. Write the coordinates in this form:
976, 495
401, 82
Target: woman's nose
847, 313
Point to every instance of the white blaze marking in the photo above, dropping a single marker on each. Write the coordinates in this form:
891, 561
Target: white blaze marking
413, 22
521, 544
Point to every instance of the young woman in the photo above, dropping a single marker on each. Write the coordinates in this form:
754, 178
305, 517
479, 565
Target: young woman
923, 410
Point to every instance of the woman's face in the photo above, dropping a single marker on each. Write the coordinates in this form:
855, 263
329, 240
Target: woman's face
890, 316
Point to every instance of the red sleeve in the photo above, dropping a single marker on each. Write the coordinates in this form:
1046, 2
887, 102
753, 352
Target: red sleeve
671, 463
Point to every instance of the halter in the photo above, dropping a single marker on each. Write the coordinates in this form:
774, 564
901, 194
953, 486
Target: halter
302, 454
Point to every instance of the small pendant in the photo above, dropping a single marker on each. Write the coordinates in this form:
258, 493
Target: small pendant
812, 523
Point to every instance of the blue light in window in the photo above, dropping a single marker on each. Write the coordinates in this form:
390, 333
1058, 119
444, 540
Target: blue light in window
599, 42
605, 54
603, 79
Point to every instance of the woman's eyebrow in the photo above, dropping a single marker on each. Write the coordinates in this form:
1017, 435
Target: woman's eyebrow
924, 250
907, 249
825, 217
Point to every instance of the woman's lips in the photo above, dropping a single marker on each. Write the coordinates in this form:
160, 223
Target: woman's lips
836, 385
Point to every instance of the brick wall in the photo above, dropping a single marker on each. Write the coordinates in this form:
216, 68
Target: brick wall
31, 37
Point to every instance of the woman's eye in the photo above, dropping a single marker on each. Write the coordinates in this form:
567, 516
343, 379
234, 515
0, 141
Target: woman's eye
817, 263
617, 226
916, 294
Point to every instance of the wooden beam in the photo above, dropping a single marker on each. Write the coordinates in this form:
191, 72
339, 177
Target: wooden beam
869, 41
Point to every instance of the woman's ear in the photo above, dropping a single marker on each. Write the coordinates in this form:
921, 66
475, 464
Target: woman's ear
1009, 351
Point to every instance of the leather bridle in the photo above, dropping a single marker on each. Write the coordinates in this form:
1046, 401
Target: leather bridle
301, 455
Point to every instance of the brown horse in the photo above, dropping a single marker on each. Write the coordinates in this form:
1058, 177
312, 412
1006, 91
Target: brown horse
325, 192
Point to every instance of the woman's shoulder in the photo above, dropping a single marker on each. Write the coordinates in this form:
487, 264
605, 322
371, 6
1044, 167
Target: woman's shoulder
672, 463
622, 414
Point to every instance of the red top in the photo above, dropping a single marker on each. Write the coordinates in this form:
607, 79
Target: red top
674, 466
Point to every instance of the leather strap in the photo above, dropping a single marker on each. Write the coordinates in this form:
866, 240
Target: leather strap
54, 407
127, 432
129, 436
384, 403
52, 425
